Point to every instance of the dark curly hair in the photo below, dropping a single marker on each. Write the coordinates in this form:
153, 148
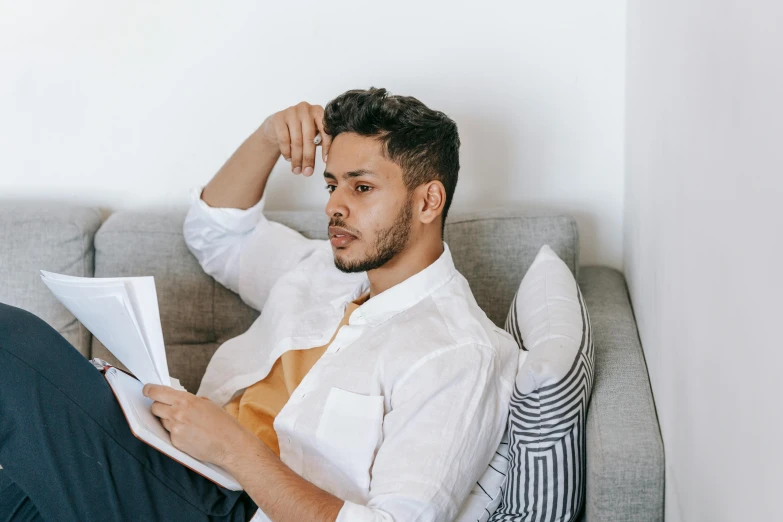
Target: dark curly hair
423, 142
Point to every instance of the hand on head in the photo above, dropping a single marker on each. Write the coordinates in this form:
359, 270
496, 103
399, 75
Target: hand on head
294, 131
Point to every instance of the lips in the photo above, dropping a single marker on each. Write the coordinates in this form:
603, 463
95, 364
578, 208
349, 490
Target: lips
339, 236
341, 240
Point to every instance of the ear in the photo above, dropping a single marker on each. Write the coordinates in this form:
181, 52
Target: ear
431, 199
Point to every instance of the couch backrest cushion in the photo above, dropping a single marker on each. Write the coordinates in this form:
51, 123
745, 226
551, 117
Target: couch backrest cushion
491, 248
46, 236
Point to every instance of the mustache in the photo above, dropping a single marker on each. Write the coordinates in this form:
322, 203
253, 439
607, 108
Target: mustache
343, 225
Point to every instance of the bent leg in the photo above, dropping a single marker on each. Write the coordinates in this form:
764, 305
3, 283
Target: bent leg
65, 443
15, 505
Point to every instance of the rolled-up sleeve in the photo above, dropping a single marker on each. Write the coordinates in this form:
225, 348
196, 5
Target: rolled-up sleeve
447, 417
241, 248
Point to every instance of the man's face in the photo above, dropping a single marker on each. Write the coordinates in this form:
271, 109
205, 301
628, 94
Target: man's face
369, 200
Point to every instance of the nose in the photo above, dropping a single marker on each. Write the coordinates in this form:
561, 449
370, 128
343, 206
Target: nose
335, 206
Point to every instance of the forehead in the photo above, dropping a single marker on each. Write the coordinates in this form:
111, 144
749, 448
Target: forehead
350, 152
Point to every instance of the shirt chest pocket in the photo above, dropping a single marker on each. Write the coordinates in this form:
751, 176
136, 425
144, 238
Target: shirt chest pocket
350, 431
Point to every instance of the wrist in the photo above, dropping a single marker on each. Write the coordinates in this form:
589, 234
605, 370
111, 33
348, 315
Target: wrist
263, 139
243, 449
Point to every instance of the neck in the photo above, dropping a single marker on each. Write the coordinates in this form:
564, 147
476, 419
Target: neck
411, 260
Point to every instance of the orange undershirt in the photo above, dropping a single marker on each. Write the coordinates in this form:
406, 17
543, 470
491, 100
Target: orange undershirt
257, 407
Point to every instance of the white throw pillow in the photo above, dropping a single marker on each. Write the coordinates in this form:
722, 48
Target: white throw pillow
546, 425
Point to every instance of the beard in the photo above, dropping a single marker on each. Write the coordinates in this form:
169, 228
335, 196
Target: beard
388, 243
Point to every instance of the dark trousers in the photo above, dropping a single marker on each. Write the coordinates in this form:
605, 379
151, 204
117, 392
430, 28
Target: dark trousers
67, 451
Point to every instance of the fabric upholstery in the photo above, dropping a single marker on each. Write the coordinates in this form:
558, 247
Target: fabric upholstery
625, 458
50, 237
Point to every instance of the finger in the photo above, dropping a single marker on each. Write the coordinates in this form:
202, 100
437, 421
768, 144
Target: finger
160, 393
161, 410
308, 147
295, 130
326, 139
167, 424
283, 138
326, 144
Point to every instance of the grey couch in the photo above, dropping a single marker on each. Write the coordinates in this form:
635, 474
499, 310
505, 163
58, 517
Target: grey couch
625, 453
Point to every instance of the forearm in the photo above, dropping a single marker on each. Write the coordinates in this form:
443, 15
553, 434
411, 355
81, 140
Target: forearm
240, 182
278, 491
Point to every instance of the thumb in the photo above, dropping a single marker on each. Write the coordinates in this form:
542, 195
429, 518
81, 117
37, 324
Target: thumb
325, 145
326, 139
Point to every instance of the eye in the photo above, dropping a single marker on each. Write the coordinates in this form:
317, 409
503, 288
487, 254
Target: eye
365, 186
328, 187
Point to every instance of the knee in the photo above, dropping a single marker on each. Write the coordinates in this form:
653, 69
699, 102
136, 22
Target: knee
16, 323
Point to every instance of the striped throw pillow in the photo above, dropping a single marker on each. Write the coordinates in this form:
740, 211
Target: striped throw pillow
548, 318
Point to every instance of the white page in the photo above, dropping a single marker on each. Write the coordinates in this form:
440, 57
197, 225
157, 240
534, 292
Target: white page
88, 286
144, 300
104, 312
148, 428
75, 279
139, 298
108, 320
96, 288
144, 303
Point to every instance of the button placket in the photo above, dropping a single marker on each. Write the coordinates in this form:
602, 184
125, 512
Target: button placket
345, 336
335, 344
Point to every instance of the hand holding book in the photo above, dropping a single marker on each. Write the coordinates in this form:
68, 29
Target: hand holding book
122, 313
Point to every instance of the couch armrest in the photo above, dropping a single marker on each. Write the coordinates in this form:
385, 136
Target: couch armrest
625, 458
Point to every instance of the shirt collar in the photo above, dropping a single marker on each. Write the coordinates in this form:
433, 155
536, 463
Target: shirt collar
401, 296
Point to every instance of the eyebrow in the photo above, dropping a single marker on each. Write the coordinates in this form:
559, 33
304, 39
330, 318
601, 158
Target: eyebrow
351, 174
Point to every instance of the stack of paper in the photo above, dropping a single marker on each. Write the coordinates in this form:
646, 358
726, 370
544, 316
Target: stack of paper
122, 312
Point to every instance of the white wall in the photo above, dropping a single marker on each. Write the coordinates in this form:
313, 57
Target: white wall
127, 105
703, 246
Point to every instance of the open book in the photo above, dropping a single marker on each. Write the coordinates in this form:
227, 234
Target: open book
122, 313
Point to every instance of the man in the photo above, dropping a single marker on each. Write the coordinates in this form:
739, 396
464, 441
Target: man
371, 388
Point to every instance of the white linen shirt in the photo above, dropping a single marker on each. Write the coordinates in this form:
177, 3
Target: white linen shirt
403, 412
